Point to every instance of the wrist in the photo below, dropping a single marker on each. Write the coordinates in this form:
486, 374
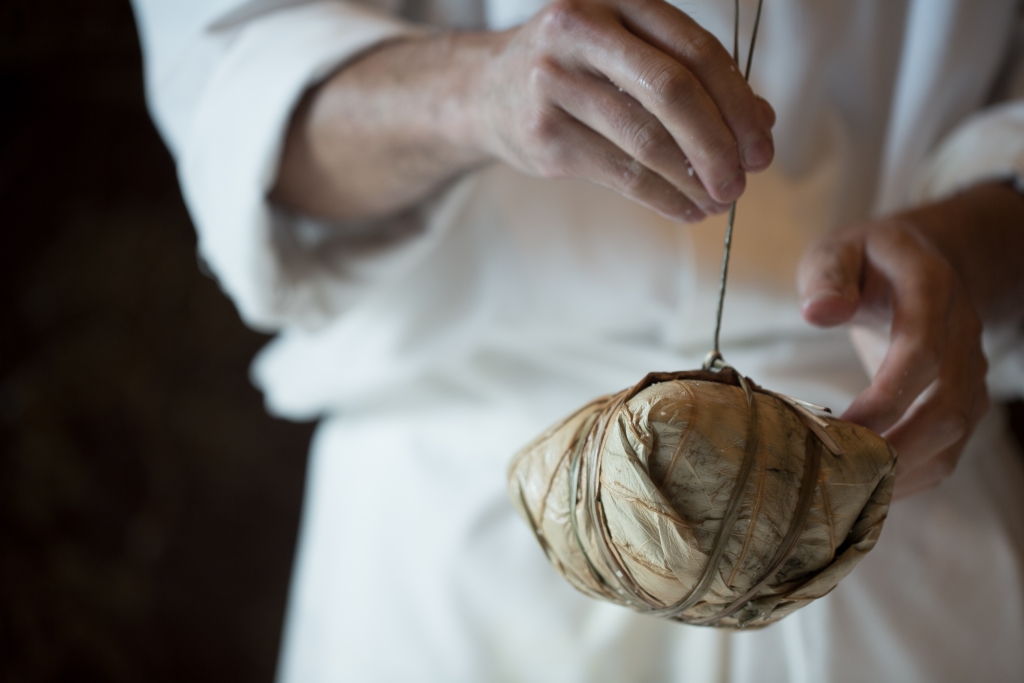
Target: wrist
468, 121
425, 90
980, 232
385, 130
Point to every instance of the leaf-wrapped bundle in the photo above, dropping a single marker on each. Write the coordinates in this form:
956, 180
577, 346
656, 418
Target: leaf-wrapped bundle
701, 497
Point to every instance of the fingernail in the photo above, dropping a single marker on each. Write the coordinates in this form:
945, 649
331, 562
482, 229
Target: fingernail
825, 293
828, 305
732, 188
758, 154
713, 208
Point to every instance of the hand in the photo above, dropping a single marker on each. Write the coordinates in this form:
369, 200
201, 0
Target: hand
929, 392
630, 94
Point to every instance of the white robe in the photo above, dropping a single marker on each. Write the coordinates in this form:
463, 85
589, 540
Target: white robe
507, 301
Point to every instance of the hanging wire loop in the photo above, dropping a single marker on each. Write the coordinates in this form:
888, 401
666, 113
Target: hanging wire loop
714, 359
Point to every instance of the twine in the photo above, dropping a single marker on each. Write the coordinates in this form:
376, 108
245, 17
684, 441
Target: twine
584, 484
716, 353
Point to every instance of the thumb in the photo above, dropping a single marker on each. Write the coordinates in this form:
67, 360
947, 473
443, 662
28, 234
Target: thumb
828, 279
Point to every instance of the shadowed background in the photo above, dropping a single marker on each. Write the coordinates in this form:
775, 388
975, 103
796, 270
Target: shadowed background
148, 506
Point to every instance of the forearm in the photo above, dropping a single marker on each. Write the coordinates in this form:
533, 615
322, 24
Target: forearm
981, 233
386, 130
636, 97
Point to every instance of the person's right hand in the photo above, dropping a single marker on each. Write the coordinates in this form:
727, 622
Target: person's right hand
629, 94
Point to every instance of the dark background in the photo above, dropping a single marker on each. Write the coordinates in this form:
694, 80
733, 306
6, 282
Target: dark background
148, 506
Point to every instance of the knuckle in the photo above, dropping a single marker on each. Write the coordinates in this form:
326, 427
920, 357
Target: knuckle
541, 128
703, 48
954, 425
632, 178
562, 17
648, 140
543, 71
933, 275
952, 412
543, 77
542, 145
926, 267
668, 84
925, 278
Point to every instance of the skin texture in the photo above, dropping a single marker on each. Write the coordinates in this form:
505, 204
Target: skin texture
630, 94
936, 272
635, 96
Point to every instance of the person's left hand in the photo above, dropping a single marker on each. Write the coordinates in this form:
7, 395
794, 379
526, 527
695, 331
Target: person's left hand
929, 392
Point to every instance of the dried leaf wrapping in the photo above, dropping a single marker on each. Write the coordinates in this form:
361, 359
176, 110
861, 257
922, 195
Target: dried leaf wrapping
701, 497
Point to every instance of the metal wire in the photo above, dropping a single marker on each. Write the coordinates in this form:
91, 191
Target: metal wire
736, 31
716, 354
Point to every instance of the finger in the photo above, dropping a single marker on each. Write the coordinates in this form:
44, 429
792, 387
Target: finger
578, 151
619, 118
828, 280
948, 411
932, 471
679, 36
677, 98
926, 478
921, 286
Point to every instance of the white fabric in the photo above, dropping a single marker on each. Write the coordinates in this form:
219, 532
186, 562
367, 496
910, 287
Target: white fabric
989, 146
510, 300
223, 91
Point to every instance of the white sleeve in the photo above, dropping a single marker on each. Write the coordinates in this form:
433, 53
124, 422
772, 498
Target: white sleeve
988, 146
223, 78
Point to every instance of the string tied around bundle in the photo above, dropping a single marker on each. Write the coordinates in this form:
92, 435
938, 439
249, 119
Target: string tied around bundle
714, 358
702, 497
